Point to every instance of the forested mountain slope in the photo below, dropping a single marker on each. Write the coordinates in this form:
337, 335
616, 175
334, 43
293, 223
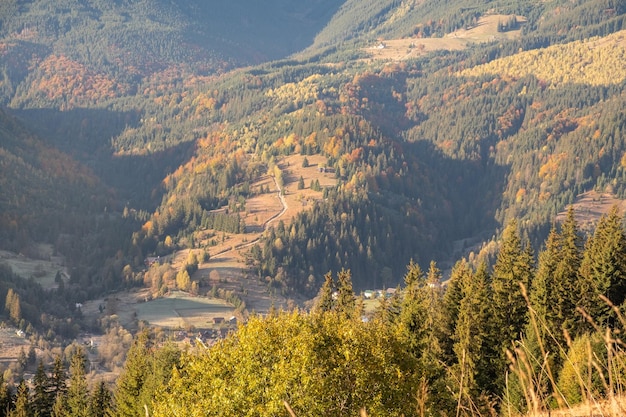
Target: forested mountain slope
105, 49
426, 154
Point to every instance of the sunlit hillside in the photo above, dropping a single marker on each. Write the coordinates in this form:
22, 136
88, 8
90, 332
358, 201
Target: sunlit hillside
596, 61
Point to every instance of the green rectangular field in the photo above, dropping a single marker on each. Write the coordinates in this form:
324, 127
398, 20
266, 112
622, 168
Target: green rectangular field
181, 310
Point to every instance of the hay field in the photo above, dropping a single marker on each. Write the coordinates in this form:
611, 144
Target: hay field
181, 310
42, 271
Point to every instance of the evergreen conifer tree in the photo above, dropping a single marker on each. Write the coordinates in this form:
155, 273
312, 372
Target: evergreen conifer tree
22, 401
5, 397
512, 271
100, 401
128, 398
451, 305
325, 300
603, 269
77, 400
42, 394
346, 300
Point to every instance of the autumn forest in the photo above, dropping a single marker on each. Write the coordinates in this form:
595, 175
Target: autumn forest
465, 159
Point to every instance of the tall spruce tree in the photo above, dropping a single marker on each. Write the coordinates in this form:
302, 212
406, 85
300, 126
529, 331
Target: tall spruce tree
512, 271
128, 392
77, 399
474, 337
100, 401
545, 294
603, 268
567, 275
346, 300
451, 305
22, 401
42, 395
413, 314
325, 300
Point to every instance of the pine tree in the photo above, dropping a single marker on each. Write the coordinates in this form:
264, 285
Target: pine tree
128, 398
5, 397
567, 277
345, 295
413, 313
42, 395
22, 401
603, 268
474, 338
58, 378
544, 297
512, 271
325, 300
77, 400
451, 305
100, 401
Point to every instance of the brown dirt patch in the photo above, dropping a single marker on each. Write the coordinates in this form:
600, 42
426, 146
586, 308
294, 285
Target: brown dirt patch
485, 31
11, 344
589, 207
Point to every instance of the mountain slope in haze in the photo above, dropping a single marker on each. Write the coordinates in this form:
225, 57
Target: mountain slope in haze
119, 43
425, 156
44, 191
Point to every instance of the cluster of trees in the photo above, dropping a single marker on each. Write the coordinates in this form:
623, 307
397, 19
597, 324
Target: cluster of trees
67, 388
509, 337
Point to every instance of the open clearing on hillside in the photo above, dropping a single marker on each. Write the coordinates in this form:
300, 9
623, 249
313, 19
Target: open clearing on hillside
181, 310
41, 270
590, 206
485, 31
11, 344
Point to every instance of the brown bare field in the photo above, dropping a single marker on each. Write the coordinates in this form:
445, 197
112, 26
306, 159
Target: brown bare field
11, 345
485, 31
227, 268
301, 200
590, 206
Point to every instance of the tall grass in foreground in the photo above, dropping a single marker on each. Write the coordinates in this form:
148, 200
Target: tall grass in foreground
591, 381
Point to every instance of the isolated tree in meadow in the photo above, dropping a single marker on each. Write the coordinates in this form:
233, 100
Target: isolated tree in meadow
183, 281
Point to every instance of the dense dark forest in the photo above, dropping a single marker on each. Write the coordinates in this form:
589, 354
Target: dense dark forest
135, 129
